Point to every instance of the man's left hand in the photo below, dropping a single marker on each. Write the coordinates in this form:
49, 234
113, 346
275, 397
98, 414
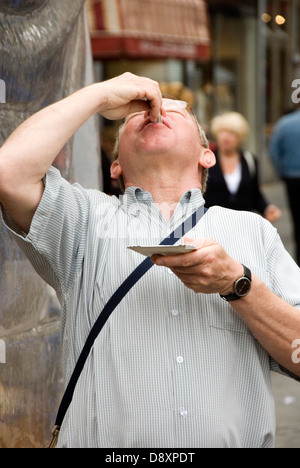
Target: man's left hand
208, 270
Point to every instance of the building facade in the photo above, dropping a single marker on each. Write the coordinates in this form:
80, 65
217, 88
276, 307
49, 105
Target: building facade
232, 55
255, 62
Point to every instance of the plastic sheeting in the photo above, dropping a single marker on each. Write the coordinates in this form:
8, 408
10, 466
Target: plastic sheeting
44, 56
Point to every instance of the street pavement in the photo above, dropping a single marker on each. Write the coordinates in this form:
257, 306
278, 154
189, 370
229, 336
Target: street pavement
286, 391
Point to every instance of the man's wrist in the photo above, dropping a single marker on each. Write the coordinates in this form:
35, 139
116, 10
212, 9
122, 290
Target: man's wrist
241, 286
237, 272
99, 97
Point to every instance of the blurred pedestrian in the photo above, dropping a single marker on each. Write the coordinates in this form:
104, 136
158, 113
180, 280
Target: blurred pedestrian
285, 154
234, 180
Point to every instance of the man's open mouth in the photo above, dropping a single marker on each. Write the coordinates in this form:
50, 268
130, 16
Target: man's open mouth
164, 121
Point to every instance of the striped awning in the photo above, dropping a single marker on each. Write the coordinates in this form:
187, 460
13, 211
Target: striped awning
150, 28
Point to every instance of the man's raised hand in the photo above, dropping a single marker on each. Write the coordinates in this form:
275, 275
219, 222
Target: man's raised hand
129, 93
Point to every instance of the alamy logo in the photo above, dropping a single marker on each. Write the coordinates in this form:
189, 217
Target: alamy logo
296, 93
2, 92
2, 352
296, 354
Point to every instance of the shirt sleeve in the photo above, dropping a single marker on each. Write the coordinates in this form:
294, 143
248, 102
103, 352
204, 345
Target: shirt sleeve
55, 242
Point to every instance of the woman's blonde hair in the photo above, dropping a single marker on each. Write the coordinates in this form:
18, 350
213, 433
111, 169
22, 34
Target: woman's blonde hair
233, 122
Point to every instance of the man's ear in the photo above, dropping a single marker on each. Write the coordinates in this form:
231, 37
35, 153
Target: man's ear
116, 170
207, 158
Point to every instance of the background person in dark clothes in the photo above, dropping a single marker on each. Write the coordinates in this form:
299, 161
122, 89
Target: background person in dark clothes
285, 154
233, 181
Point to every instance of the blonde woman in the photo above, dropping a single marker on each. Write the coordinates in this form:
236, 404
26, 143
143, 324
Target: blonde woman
233, 181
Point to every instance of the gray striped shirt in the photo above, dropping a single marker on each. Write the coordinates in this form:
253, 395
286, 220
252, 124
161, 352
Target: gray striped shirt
171, 368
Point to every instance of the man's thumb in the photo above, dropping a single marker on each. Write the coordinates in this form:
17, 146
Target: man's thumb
199, 243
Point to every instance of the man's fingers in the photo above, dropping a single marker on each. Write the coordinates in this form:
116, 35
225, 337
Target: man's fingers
142, 105
155, 108
151, 94
188, 260
176, 261
138, 105
199, 243
187, 278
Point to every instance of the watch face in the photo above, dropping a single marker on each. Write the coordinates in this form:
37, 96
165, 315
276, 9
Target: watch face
242, 287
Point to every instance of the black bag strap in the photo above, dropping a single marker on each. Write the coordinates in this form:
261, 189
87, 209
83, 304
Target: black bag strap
113, 302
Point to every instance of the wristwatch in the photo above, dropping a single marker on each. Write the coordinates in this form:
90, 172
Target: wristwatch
241, 287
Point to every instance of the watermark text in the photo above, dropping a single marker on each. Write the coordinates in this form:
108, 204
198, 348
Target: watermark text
296, 353
296, 93
2, 92
2, 352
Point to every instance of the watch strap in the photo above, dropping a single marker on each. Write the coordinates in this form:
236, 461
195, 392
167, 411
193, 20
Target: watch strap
234, 297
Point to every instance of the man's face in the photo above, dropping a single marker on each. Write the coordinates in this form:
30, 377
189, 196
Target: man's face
175, 140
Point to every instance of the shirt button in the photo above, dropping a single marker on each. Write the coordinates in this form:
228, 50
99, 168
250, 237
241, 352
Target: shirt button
175, 312
180, 359
183, 413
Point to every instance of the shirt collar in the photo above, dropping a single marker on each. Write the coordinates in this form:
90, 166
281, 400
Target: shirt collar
135, 197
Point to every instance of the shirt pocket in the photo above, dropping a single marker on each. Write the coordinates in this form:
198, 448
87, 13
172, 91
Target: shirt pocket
223, 316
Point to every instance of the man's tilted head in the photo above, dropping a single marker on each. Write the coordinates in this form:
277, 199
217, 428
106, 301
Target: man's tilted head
176, 147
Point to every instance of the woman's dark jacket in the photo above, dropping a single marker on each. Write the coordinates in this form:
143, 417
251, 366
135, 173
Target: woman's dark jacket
248, 196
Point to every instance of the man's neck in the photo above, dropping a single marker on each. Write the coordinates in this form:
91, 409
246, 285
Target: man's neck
167, 194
